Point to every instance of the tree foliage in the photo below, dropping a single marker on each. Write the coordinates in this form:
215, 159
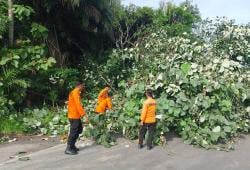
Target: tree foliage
201, 88
177, 19
199, 71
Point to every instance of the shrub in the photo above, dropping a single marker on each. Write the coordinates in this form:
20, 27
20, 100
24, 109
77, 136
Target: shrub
200, 84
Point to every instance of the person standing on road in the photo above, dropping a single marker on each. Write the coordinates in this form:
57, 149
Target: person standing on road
104, 101
148, 120
75, 112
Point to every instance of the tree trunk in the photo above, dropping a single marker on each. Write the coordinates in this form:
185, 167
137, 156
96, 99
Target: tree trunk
11, 23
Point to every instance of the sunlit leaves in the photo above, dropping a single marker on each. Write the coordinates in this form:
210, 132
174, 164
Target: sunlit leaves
202, 92
22, 12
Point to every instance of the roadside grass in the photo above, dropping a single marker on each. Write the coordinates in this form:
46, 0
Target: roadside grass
11, 126
47, 121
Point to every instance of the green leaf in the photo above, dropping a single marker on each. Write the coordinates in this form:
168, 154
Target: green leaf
227, 129
226, 63
4, 60
185, 67
202, 119
217, 129
204, 142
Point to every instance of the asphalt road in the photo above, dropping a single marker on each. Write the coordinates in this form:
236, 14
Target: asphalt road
126, 156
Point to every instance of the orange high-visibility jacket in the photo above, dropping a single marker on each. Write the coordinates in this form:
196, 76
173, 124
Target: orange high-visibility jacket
104, 101
75, 108
149, 111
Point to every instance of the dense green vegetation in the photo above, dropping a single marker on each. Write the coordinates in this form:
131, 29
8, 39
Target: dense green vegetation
199, 70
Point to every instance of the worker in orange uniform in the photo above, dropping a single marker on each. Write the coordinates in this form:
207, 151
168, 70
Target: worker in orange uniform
75, 112
104, 101
148, 120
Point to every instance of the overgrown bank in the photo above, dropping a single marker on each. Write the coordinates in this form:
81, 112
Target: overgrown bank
202, 88
200, 79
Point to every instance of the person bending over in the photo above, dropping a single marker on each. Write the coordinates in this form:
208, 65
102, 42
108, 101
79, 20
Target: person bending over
104, 101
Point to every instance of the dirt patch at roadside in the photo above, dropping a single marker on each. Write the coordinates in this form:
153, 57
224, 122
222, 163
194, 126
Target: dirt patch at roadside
27, 144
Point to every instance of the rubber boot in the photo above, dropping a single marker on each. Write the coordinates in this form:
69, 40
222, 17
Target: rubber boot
75, 148
70, 151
